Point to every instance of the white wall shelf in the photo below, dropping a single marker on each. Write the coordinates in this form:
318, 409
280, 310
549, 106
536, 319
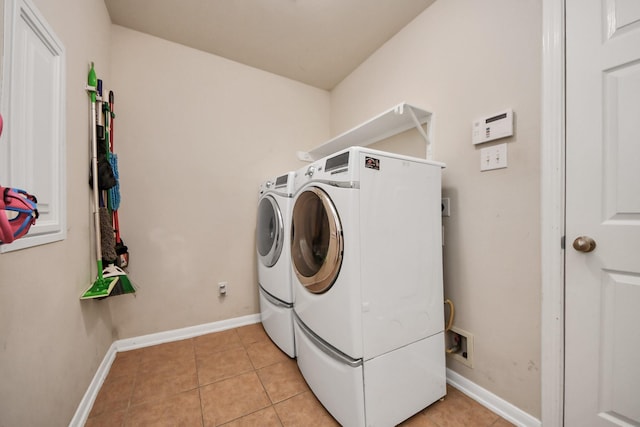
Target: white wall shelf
396, 120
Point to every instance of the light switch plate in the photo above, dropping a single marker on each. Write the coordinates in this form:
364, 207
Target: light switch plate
494, 157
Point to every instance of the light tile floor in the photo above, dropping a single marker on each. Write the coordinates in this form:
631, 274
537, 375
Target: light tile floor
235, 378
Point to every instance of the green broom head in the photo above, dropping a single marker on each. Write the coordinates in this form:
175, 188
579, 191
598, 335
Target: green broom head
102, 287
124, 285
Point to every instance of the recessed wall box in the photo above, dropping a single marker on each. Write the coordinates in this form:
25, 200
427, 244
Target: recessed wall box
497, 126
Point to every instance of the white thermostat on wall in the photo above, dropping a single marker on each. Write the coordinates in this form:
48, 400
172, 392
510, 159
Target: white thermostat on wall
497, 126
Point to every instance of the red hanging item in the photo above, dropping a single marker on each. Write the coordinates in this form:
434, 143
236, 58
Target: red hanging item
19, 211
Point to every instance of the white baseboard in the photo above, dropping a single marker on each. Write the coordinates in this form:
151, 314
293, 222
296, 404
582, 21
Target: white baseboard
489, 400
184, 333
84, 408
82, 413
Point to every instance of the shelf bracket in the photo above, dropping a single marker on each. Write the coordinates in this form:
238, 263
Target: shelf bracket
421, 131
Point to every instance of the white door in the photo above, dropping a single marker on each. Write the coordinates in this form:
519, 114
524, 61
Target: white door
602, 336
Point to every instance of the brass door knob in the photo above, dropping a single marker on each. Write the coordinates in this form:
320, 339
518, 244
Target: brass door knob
584, 244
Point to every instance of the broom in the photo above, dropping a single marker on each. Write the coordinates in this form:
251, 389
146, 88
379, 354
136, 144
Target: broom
102, 286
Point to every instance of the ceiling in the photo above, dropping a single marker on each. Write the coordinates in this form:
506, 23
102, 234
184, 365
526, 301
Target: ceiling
317, 42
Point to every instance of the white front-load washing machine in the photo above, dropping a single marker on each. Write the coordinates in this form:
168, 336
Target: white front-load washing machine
366, 250
274, 261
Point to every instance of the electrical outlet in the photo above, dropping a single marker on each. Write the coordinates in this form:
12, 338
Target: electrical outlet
222, 288
494, 157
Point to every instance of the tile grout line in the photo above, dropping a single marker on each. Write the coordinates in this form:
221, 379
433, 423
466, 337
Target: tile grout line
255, 370
267, 393
133, 387
198, 385
201, 408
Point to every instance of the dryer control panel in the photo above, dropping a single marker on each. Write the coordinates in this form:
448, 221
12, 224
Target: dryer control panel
337, 162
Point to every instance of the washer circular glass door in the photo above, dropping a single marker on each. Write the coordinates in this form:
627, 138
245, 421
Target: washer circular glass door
269, 231
316, 240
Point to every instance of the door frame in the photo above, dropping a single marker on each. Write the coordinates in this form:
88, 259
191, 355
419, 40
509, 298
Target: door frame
553, 211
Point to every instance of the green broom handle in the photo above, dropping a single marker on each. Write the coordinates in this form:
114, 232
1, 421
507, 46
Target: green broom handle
92, 81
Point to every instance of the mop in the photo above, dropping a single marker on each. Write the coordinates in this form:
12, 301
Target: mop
124, 285
102, 286
114, 194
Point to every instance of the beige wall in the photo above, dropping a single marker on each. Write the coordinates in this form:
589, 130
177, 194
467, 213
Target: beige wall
195, 135
463, 59
50, 342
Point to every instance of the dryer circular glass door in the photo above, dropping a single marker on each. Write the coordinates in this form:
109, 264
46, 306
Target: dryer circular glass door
269, 231
316, 240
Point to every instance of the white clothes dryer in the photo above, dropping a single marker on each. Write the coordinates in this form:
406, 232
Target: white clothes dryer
274, 261
366, 250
